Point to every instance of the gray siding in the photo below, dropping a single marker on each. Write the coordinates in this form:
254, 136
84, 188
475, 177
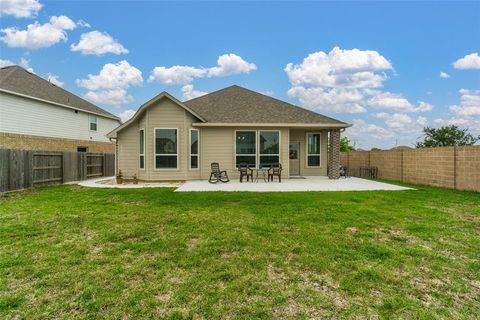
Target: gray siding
26, 116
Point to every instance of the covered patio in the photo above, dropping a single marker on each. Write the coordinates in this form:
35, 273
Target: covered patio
300, 184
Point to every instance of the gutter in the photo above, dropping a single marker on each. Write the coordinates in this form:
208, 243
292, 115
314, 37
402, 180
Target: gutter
288, 125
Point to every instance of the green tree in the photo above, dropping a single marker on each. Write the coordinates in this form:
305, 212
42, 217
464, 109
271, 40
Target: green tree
345, 145
446, 137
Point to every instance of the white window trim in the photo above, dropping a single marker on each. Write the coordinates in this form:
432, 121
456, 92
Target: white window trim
155, 154
190, 154
90, 122
235, 148
279, 145
144, 147
315, 154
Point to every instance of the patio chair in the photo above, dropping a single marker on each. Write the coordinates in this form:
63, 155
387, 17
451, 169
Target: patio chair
245, 171
217, 175
275, 170
344, 172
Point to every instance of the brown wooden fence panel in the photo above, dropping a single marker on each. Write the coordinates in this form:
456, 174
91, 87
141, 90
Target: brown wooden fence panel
448, 167
70, 166
47, 168
109, 165
21, 169
95, 165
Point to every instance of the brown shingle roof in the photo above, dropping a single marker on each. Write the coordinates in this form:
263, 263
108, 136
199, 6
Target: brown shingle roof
19, 80
240, 105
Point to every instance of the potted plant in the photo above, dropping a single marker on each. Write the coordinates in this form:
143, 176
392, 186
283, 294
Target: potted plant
135, 179
119, 177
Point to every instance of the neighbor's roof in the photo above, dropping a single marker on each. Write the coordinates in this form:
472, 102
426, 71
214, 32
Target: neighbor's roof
237, 105
17, 80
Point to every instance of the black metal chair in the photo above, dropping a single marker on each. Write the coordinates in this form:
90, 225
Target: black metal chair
343, 171
275, 170
218, 175
245, 171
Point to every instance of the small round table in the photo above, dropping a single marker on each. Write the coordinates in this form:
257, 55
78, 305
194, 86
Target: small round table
263, 172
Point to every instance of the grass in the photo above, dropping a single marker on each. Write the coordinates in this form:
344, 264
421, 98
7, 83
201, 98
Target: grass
73, 252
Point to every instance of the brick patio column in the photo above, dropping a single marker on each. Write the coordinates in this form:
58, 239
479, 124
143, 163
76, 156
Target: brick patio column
334, 155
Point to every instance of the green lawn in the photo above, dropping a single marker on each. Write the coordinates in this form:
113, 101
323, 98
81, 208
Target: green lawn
72, 252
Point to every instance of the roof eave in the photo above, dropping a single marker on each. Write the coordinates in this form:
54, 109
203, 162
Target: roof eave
288, 125
58, 104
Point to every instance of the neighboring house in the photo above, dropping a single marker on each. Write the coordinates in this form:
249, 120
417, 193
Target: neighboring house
170, 140
38, 115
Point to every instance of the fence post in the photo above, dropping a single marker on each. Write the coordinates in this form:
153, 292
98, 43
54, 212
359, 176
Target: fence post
454, 167
401, 165
104, 159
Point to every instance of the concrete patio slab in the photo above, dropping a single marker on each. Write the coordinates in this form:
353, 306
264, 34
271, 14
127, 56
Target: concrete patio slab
109, 182
289, 185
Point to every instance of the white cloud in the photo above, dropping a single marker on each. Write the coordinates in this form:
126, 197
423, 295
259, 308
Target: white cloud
470, 61
338, 81
444, 75
20, 8
6, 63
113, 76
366, 135
83, 24
469, 104
229, 64
189, 93
24, 63
335, 100
126, 115
400, 129
339, 69
38, 35
176, 74
402, 123
112, 97
109, 87
268, 93
394, 101
98, 43
54, 79
472, 124
388, 100
466, 114
422, 121
423, 106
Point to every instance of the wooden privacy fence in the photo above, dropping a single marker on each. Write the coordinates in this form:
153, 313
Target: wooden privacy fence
449, 167
21, 169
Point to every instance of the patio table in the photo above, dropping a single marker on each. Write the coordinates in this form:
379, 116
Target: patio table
263, 172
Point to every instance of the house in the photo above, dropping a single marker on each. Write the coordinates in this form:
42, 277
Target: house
171, 140
38, 115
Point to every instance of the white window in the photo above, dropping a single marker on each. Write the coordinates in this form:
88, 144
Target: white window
269, 148
166, 148
194, 148
313, 150
142, 149
246, 148
93, 122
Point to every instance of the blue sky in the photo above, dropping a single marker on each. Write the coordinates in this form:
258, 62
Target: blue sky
376, 65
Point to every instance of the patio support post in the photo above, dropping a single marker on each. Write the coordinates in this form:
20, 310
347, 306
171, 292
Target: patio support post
334, 155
